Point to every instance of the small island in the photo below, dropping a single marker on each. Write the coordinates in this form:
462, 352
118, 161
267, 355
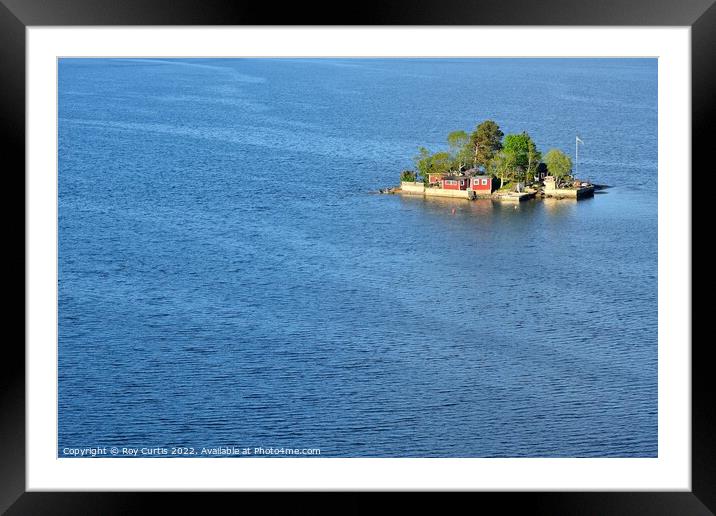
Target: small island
488, 164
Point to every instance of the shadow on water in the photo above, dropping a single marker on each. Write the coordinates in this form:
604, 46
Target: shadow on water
495, 211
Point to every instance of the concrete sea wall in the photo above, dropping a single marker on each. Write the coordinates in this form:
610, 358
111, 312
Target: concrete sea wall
569, 193
419, 189
413, 188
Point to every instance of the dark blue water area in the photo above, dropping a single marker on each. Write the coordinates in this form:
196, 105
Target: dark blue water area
227, 276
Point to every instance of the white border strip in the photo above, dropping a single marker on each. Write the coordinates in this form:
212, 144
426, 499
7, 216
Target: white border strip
670, 471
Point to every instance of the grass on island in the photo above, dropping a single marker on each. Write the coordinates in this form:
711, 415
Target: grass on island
509, 185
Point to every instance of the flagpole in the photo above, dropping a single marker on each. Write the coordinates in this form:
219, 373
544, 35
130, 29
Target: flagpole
577, 141
576, 152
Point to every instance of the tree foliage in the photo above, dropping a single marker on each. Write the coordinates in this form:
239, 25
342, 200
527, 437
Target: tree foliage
438, 163
487, 148
442, 163
459, 148
523, 154
485, 142
558, 163
423, 162
407, 175
501, 165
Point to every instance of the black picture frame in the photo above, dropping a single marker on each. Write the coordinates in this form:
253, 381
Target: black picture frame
16, 15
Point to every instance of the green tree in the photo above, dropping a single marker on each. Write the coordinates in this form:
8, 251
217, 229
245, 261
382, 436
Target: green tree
526, 157
438, 163
442, 163
485, 142
459, 148
407, 175
534, 158
502, 165
558, 163
423, 163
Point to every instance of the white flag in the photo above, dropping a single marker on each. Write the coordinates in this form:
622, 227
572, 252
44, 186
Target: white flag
580, 141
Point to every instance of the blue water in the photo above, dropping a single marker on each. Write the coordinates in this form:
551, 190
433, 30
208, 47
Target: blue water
227, 276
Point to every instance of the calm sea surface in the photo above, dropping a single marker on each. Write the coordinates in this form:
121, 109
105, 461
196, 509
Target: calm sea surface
226, 276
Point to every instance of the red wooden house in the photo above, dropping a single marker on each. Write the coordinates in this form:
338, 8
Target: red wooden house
435, 178
455, 182
481, 184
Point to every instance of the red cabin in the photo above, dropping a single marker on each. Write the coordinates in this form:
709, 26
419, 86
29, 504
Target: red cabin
435, 178
481, 184
455, 182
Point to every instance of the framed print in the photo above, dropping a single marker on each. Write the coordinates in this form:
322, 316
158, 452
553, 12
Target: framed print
425, 252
